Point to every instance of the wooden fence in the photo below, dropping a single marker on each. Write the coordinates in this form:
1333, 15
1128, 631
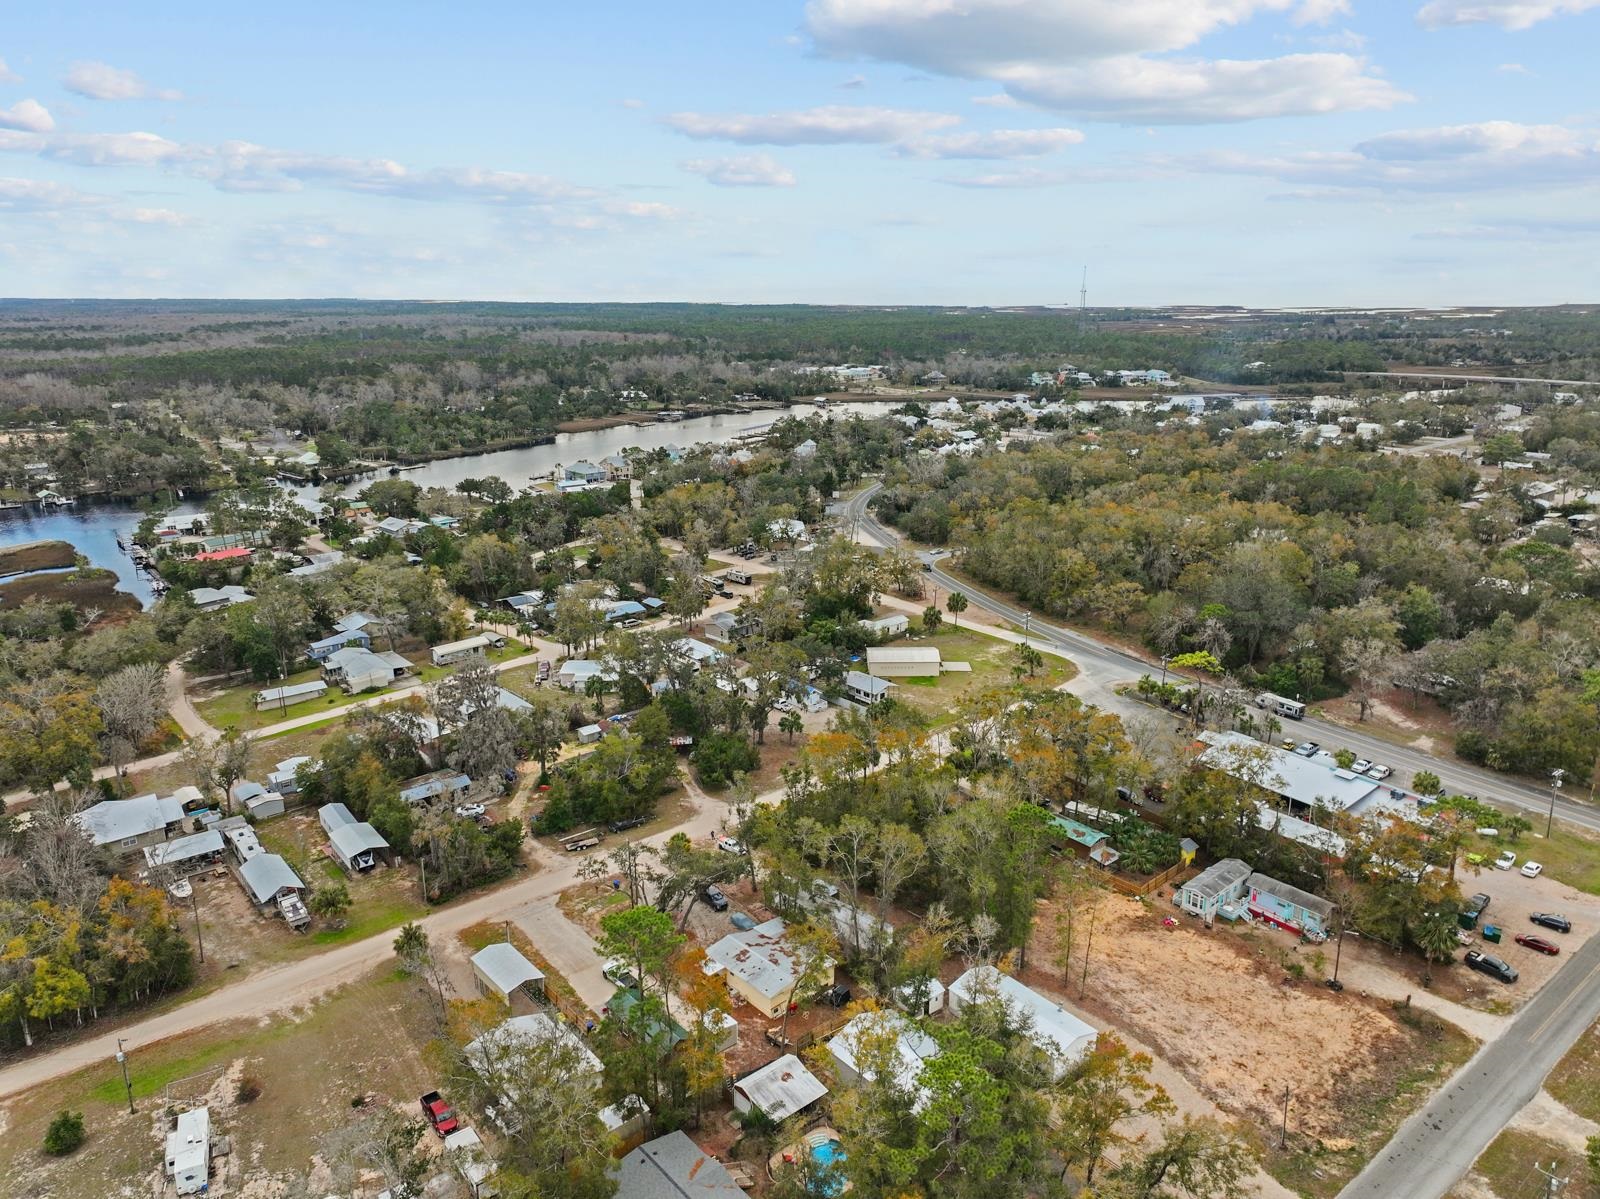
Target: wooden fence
1127, 886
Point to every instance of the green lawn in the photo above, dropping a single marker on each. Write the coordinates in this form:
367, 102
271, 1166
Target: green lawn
1507, 1167
381, 899
236, 707
992, 661
1570, 854
1576, 1079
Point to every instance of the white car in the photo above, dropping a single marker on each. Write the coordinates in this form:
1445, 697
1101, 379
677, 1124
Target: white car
1361, 766
1532, 870
1377, 771
729, 845
471, 811
1505, 861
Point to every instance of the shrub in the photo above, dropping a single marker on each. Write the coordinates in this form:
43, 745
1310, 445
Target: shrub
249, 1090
64, 1134
719, 756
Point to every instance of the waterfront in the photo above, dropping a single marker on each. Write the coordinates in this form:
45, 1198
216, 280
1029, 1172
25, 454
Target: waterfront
93, 529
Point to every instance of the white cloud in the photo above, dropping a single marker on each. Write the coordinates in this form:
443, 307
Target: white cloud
102, 81
830, 125
1095, 56
1513, 68
999, 180
160, 216
113, 149
1001, 143
1135, 90
1320, 12
38, 195
745, 170
998, 100
1508, 14
27, 116
7, 75
1492, 155
632, 102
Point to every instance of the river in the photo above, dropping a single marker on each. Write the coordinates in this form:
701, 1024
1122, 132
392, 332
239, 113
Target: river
93, 529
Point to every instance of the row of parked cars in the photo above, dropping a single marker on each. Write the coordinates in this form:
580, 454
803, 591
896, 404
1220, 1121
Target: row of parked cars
1310, 749
1499, 968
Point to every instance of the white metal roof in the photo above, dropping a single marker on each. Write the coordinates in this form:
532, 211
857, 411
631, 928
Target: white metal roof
781, 1088
183, 849
114, 820
759, 956
504, 968
1218, 878
348, 840
902, 653
1301, 780
505, 1038
912, 1048
334, 815
1051, 1027
266, 874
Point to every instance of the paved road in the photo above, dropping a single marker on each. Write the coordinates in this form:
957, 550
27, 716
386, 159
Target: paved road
1438, 1144
1426, 374
1107, 665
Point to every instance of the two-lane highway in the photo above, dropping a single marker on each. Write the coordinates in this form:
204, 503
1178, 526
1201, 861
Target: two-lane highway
1110, 664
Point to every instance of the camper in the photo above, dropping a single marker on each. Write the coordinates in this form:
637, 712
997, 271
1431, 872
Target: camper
1292, 708
740, 576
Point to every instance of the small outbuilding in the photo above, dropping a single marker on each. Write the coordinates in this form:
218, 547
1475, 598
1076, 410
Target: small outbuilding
778, 1090
280, 698
356, 845
903, 661
500, 969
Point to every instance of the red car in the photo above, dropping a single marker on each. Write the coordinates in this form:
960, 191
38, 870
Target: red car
1537, 944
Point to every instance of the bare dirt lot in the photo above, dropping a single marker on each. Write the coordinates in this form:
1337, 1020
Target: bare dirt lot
1230, 1011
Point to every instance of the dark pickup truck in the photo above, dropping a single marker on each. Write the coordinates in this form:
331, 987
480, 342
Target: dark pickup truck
438, 1114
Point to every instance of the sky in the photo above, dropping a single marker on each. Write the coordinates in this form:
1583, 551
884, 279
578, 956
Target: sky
984, 152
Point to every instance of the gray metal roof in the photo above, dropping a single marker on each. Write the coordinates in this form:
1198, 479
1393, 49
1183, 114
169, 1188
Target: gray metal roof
1301, 899
266, 874
673, 1167
348, 840
113, 820
183, 849
759, 956
333, 815
1219, 878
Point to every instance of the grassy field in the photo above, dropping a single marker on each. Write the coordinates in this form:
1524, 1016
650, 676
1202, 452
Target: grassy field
1571, 854
236, 707
1576, 1079
1507, 1168
365, 1041
992, 662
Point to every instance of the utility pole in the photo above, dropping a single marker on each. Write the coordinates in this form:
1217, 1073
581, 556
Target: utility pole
194, 906
1555, 789
1088, 944
1552, 1182
122, 1060
1283, 1132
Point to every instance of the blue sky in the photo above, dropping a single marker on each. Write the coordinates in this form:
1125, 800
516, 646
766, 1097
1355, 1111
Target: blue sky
1272, 152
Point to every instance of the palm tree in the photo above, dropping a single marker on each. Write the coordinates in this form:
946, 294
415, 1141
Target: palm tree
956, 604
1435, 935
791, 724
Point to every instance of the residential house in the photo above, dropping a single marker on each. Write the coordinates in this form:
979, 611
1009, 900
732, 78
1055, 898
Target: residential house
356, 620
626, 610
856, 1054
1060, 1035
696, 652
903, 661
584, 472
805, 450
865, 688
666, 1034
448, 785
495, 1054
729, 628
318, 651
501, 970
460, 651
1288, 907
282, 698
575, 673
525, 604
1215, 887
126, 826
317, 564
214, 599
238, 553
892, 625
673, 1167
786, 529
617, 467
285, 777
357, 670
757, 966
778, 1090
356, 845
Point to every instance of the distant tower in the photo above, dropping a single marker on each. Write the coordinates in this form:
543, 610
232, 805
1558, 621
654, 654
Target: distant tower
1083, 301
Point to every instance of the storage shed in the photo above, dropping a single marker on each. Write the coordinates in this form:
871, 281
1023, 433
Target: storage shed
903, 661
779, 1089
500, 969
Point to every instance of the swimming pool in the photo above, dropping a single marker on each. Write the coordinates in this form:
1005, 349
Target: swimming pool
829, 1153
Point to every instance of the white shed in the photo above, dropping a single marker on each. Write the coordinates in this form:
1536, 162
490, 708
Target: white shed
1057, 1032
500, 969
779, 1089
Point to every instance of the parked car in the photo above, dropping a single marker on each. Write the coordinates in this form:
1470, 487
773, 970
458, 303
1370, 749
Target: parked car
1536, 943
1506, 860
835, 996
1361, 766
1475, 906
1492, 966
1532, 869
619, 972
1378, 771
1306, 748
471, 811
742, 922
1289, 743
715, 899
622, 826
438, 1114
1551, 920
729, 845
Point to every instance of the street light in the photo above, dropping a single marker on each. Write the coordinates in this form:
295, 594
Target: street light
1555, 789
1027, 625
1165, 658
